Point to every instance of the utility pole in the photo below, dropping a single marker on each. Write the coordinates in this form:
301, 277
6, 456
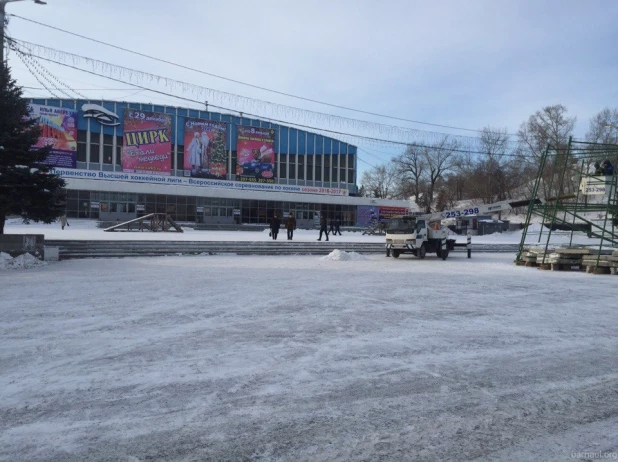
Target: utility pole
2, 23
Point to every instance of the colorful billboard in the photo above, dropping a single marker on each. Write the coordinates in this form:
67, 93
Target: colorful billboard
58, 129
147, 145
256, 155
205, 154
367, 214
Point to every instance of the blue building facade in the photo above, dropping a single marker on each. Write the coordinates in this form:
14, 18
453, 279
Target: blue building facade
302, 158
313, 174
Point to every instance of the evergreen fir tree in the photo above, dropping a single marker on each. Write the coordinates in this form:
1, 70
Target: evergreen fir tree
219, 155
27, 188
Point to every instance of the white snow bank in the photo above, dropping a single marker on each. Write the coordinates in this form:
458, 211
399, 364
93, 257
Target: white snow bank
23, 261
341, 255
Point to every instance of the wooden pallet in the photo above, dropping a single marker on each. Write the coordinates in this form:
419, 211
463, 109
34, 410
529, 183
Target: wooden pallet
567, 267
607, 264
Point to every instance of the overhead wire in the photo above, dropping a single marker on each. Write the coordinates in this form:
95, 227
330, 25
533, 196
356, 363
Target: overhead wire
104, 68
258, 116
23, 58
302, 98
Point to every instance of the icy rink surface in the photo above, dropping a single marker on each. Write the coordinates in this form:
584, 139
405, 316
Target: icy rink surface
299, 358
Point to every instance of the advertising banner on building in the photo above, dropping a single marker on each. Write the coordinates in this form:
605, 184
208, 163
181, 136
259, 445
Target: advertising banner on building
205, 154
147, 145
386, 213
58, 129
173, 181
255, 149
367, 214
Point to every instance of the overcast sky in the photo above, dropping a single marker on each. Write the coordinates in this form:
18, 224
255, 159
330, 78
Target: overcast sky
460, 63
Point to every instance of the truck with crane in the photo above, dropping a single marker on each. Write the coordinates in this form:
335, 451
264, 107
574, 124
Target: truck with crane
422, 234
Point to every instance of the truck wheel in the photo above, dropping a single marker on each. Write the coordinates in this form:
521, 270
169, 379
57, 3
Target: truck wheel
396, 253
444, 254
422, 252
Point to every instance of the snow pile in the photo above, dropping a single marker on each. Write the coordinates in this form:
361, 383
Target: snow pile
340, 255
4, 259
23, 261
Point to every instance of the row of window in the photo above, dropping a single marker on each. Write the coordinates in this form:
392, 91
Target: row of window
87, 204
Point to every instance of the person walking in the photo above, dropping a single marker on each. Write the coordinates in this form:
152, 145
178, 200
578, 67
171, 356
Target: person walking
290, 225
63, 221
337, 225
275, 224
323, 227
332, 226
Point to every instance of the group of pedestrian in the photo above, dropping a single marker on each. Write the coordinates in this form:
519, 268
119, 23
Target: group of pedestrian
290, 226
335, 224
275, 224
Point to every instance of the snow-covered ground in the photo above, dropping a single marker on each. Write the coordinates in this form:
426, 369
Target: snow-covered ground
302, 358
87, 230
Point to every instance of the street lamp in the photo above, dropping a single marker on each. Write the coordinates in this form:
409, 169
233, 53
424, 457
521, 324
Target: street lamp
2, 19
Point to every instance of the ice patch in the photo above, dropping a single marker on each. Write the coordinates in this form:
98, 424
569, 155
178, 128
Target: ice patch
23, 261
341, 255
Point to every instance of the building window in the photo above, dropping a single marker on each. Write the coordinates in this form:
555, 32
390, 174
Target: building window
309, 168
180, 165
283, 159
119, 150
108, 149
94, 147
318, 167
292, 167
301, 167
335, 164
81, 146
326, 169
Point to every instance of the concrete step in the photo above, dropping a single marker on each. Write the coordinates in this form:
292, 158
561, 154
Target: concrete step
118, 249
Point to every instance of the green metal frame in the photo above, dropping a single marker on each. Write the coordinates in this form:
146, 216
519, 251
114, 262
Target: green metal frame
556, 169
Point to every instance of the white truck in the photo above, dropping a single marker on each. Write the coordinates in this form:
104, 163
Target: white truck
422, 234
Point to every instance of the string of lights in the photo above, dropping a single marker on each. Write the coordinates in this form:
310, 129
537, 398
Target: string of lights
24, 59
210, 74
347, 135
404, 135
59, 83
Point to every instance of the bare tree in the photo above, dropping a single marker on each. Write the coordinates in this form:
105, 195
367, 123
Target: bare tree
381, 182
412, 166
487, 172
604, 127
548, 126
424, 166
441, 159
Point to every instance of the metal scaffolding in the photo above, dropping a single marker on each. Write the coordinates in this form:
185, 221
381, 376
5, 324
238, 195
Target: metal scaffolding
579, 197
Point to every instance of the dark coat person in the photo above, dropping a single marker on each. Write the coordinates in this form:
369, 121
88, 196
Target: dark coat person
607, 167
337, 225
275, 224
290, 225
323, 227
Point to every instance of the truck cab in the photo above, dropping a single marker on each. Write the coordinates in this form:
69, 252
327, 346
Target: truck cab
418, 236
